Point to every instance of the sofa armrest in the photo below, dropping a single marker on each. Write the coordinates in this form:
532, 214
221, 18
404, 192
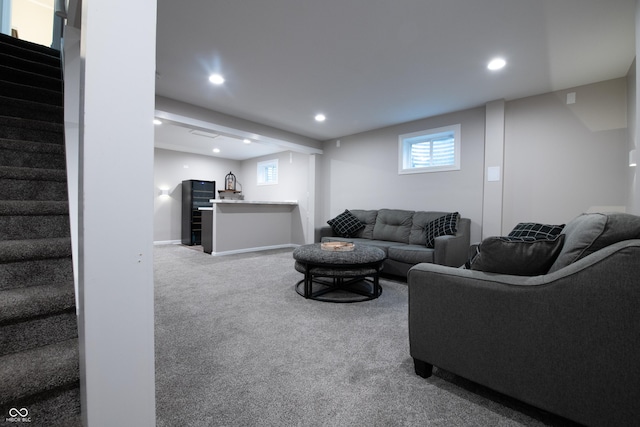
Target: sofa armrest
453, 251
558, 341
324, 231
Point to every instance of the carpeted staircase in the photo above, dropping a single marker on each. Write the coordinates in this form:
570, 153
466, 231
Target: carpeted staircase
39, 369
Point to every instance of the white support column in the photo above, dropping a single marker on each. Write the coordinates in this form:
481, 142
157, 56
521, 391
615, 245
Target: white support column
116, 212
494, 169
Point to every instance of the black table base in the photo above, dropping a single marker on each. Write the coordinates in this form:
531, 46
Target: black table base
339, 289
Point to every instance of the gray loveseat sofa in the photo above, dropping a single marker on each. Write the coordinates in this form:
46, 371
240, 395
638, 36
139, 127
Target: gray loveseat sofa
567, 341
402, 234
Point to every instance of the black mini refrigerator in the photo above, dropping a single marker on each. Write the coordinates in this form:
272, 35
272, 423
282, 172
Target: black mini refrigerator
195, 194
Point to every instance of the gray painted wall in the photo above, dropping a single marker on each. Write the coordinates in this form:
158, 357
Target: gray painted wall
564, 159
559, 161
362, 173
293, 184
168, 172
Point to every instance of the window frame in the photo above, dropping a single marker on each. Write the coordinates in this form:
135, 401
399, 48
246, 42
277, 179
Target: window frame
404, 149
261, 172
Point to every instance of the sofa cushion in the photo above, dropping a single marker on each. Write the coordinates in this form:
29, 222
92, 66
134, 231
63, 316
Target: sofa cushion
535, 231
420, 221
515, 256
443, 226
382, 244
393, 225
368, 218
411, 254
346, 224
591, 232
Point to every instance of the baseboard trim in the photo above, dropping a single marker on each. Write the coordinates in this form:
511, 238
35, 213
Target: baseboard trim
167, 242
256, 249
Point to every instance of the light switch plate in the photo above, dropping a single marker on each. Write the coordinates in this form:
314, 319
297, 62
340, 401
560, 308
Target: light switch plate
493, 173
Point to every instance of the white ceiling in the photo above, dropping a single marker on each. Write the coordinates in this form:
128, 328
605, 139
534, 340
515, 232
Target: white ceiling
366, 64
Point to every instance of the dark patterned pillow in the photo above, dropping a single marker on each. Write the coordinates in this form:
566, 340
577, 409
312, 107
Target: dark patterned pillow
515, 256
443, 226
346, 224
535, 231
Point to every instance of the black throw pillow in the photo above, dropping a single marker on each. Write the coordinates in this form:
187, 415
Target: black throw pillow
443, 226
515, 256
346, 224
535, 231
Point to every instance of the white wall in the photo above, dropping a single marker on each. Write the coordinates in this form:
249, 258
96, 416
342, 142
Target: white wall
564, 159
362, 173
33, 20
294, 183
170, 169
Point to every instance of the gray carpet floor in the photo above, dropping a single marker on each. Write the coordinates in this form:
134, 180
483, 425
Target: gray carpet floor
237, 346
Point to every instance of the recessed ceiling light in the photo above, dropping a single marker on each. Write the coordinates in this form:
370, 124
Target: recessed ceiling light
246, 141
216, 79
216, 150
496, 64
157, 122
320, 118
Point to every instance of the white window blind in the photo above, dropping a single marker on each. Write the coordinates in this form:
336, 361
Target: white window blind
430, 150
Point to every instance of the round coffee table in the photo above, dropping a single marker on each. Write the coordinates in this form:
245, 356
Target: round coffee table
337, 276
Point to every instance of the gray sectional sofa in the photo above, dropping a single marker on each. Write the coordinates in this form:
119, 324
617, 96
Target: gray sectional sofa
402, 234
565, 340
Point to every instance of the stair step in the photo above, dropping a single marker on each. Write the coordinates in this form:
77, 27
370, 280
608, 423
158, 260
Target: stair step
16, 75
11, 107
31, 130
43, 371
33, 226
30, 93
33, 208
6, 40
29, 154
28, 219
20, 304
32, 184
27, 62
35, 272
34, 249
38, 331
58, 408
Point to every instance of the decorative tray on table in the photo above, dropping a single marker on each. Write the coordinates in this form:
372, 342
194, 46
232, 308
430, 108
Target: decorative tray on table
337, 246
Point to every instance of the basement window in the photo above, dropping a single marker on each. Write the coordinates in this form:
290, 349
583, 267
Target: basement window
268, 172
432, 150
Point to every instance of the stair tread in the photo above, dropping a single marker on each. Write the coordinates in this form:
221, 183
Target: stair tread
19, 304
38, 80
18, 101
29, 65
39, 370
29, 46
33, 174
34, 207
34, 249
22, 91
30, 146
31, 124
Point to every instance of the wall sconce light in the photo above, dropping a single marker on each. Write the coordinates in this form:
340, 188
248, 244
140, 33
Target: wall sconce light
632, 158
164, 192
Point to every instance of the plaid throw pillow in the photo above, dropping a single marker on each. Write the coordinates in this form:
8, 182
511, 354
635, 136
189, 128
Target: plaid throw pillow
345, 224
529, 231
443, 226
